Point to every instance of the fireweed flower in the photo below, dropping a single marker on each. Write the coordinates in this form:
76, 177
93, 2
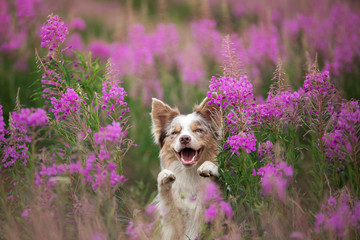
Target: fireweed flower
15, 147
349, 116
150, 209
317, 84
281, 107
207, 38
25, 213
53, 170
210, 213
257, 45
165, 43
116, 178
53, 32
99, 49
319, 98
5, 20
236, 97
264, 44
78, 24
107, 139
275, 178
337, 216
113, 95
191, 65
334, 144
215, 206
112, 134
67, 104
75, 41
343, 140
320, 29
246, 141
30, 117
89, 168
231, 92
136, 57
26, 9
266, 150
2, 126
14, 38
93, 172
226, 209
130, 230
212, 193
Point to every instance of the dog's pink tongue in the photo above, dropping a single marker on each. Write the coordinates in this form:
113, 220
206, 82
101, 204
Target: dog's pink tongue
188, 154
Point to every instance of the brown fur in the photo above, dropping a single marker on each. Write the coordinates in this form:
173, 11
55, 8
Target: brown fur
161, 115
178, 182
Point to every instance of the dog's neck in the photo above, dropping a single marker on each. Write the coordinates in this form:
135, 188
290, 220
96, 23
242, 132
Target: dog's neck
188, 173
187, 179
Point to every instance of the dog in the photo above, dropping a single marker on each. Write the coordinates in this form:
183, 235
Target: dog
188, 150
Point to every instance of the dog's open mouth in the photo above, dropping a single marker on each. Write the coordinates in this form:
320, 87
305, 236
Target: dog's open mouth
189, 156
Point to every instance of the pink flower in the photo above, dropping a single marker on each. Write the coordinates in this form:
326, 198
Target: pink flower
2, 125
113, 96
112, 134
231, 91
78, 24
226, 208
99, 49
67, 104
336, 216
25, 213
191, 65
115, 178
75, 42
53, 32
150, 209
15, 147
212, 193
246, 141
31, 117
112, 166
210, 213
207, 38
275, 178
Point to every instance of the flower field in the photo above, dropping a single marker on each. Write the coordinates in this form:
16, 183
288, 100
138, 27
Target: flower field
77, 158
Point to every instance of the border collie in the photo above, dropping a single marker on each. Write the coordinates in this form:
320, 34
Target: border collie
188, 148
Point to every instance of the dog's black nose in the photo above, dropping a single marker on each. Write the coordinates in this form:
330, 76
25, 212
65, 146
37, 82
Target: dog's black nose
185, 139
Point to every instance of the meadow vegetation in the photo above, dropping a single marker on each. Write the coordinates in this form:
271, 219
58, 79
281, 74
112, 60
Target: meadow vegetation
76, 80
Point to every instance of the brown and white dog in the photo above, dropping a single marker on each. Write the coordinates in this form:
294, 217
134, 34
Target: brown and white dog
187, 156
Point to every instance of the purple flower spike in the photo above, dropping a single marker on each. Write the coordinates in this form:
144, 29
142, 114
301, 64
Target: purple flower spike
53, 32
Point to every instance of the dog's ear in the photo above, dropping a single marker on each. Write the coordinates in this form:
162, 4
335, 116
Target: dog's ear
211, 112
161, 114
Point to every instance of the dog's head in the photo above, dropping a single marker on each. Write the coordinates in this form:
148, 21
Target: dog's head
190, 139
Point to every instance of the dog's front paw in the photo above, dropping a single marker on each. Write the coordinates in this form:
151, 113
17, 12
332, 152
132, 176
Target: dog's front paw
165, 178
208, 169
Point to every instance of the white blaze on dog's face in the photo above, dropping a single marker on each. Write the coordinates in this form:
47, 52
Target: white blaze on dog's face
187, 135
190, 139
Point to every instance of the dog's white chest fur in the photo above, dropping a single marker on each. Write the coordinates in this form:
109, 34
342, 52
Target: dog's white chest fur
185, 197
187, 190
